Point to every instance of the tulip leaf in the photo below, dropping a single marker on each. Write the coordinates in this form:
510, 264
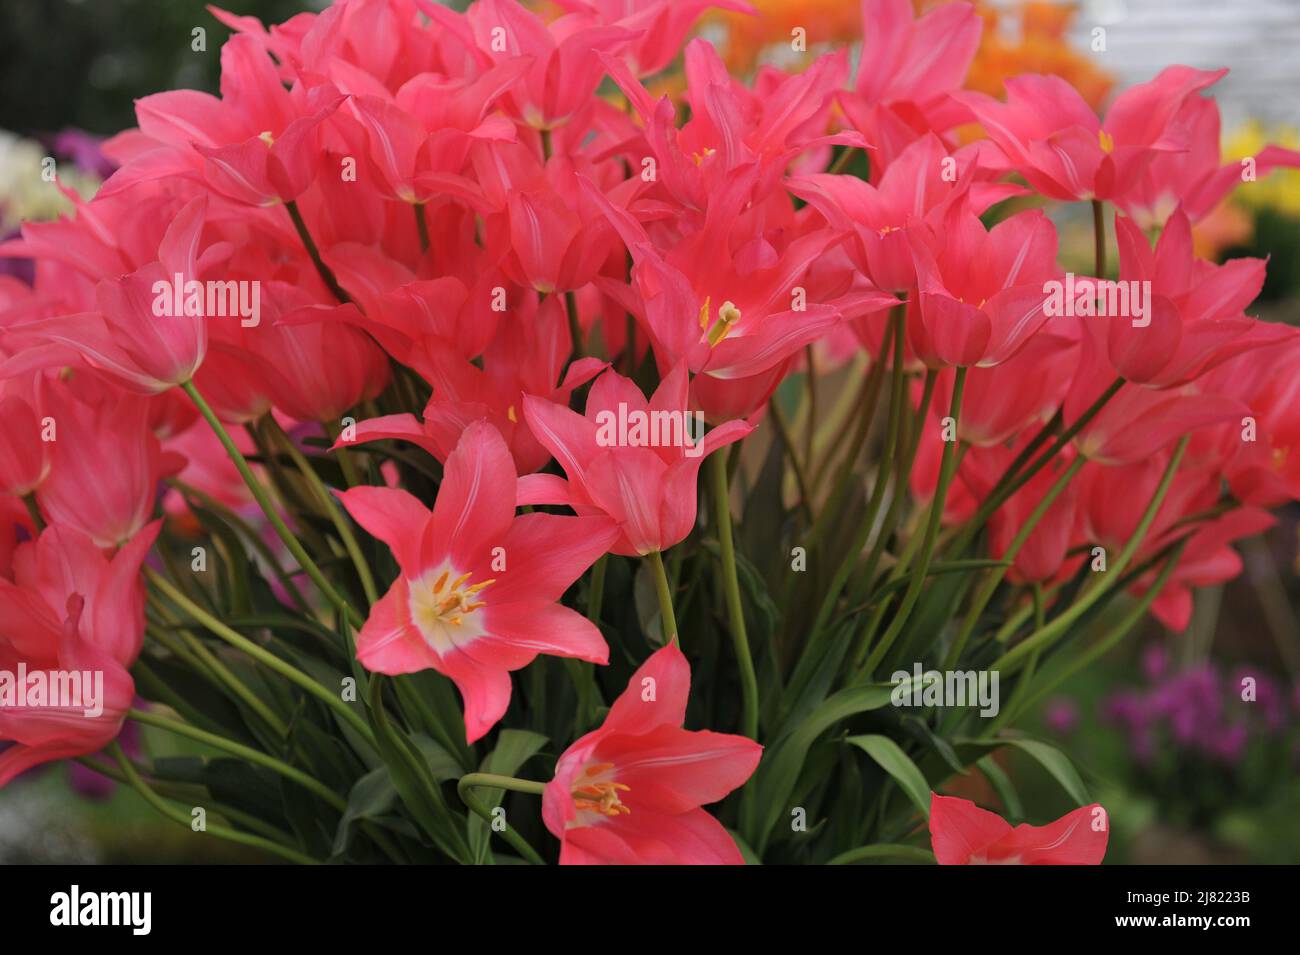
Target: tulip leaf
1056, 763
513, 749
1005, 789
884, 851
891, 758
778, 773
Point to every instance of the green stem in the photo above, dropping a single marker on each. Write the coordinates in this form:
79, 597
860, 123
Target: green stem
668, 619
1099, 237
323, 270
995, 576
253, 537
34, 512
270, 660
1009, 483
731, 586
331, 507
1057, 626
792, 455
575, 328
268, 508
947, 469
182, 818
421, 226
220, 674
243, 752
464, 788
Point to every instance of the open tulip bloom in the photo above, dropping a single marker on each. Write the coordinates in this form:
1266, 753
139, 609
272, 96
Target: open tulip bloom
462, 405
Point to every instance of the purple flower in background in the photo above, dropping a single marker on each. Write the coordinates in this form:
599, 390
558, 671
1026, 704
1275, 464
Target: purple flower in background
83, 150
1198, 710
1061, 715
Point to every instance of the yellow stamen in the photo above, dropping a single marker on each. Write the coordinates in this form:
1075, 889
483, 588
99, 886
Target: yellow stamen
1106, 140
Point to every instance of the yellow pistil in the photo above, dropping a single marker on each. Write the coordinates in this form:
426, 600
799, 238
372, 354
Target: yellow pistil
1106, 140
599, 795
728, 316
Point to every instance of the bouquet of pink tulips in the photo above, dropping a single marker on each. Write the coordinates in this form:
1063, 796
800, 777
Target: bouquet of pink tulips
478, 454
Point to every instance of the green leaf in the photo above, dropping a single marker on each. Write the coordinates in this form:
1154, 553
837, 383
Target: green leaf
1050, 758
1006, 790
372, 796
891, 758
513, 749
767, 796
884, 850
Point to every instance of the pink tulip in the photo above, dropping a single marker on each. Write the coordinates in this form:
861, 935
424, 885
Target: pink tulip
631, 792
965, 834
526, 362
478, 591
126, 338
69, 607
981, 293
645, 482
105, 465
24, 455
908, 69
1051, 136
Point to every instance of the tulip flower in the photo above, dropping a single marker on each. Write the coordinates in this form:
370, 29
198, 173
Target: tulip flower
908, 69
24, 455
1051, 136
69, 609
644, 480
981, 293
965, 834
526, 363
631, 791
105, 465
478, 588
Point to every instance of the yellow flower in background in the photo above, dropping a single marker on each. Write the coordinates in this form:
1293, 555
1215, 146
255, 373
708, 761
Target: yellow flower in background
25, 194
1280, 189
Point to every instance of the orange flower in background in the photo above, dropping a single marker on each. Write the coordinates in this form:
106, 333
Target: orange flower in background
1031, 38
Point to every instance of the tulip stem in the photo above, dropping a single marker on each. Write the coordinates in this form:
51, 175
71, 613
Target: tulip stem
331, 508
731, 586
268, 508
1099, 237
575, 328
1102, 646
465, 787
996, 574
947, 469
1010, 482
185, 819
268, 659
323, 270
255, 539
787, 441
421, 226
34, 512
242, 751
1058, 625
668, 618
